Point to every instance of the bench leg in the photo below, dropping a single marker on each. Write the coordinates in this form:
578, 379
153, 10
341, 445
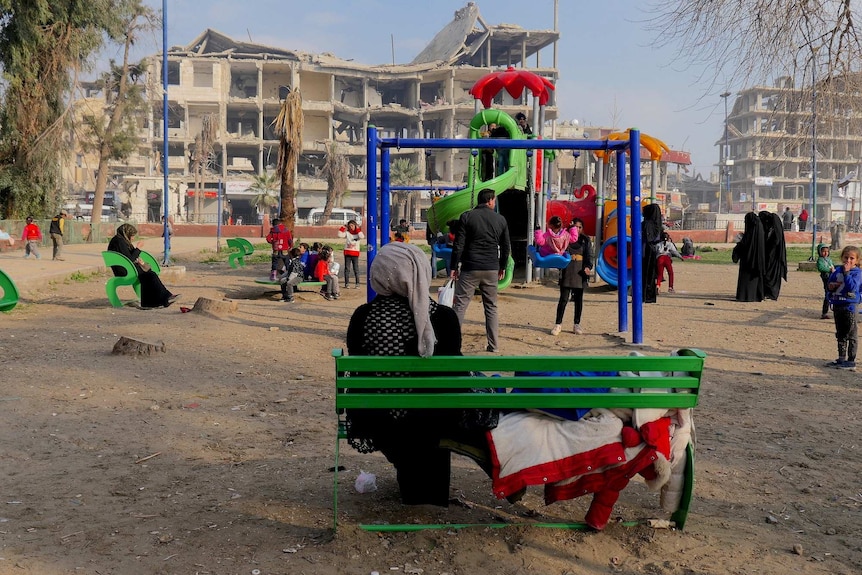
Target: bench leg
335, 488
681, 514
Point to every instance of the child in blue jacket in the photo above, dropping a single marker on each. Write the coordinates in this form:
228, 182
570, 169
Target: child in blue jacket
843, 290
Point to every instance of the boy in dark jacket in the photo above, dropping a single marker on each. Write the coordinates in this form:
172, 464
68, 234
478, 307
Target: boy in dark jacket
291, 275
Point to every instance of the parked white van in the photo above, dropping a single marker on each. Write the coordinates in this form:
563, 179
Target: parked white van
338, 217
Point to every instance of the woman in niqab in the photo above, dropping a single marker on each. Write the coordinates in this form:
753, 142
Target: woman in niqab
651, 229
775, 254
749, 252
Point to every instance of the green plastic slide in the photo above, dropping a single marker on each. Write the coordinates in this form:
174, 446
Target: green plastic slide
515, 178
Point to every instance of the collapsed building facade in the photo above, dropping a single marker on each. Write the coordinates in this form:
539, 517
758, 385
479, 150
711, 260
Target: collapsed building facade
237, 88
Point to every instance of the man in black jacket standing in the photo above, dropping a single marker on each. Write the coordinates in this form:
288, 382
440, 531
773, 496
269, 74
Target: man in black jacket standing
56, 230
482, 249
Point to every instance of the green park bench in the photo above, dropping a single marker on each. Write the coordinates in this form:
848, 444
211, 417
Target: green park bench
397, 382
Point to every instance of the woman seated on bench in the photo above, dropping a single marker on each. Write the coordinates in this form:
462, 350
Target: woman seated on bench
403, 320
153, 291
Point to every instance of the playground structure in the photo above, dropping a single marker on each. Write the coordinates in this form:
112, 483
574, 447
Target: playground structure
512, 177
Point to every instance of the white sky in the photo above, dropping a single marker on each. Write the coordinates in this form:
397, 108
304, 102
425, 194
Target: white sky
609, 71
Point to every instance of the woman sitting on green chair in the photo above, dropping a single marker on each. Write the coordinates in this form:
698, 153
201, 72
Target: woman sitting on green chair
153, 291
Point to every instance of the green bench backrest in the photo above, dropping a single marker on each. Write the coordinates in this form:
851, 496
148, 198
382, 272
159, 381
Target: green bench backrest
405, 378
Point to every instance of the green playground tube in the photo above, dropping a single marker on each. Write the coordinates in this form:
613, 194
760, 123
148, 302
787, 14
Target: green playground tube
452, 206
507, 277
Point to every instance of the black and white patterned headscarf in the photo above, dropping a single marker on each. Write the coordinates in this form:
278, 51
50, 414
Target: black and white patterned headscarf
402, 269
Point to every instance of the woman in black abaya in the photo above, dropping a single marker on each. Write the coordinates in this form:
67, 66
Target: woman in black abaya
651, 229
775, 254
749, 252
153, 291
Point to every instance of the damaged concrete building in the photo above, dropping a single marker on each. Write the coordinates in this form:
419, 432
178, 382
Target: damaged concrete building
239, 87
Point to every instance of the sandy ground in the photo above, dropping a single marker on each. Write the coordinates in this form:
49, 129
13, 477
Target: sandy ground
215, 456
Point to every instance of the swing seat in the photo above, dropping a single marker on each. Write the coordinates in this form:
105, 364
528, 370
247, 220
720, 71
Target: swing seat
442, 252
558, 261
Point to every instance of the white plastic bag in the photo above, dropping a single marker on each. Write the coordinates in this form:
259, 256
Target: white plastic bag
334, 268
446, 294
366, 482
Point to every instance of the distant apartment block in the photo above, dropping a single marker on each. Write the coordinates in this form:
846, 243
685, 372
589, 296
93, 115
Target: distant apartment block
769, 147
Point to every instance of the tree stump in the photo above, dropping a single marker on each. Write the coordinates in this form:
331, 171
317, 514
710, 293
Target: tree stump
128, 346
215, 307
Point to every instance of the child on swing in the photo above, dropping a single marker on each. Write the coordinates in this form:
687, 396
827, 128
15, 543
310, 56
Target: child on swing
555, 239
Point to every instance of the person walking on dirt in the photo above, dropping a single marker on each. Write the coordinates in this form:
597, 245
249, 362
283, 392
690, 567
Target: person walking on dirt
32, 237
56, 231
482, 249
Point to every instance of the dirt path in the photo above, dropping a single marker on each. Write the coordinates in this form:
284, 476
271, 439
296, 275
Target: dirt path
236, 420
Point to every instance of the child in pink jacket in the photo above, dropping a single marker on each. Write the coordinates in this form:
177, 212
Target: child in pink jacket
555, 239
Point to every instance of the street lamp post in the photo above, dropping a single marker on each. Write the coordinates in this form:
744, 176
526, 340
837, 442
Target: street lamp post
725, 165
813, 217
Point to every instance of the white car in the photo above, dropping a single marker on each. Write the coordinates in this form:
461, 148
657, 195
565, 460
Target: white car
338, 217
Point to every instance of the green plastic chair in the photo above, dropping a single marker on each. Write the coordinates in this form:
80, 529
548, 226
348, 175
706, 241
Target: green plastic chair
130, 279
243, 248
10, 292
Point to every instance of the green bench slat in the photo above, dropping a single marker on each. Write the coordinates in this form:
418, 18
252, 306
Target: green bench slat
515, 400
404, 378
497, 364
417, 382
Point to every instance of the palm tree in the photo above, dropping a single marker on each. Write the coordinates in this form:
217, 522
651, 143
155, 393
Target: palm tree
336, 169
288, 127
265, 188
403, 173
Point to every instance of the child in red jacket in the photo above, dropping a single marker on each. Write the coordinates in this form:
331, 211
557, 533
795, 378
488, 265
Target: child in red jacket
32, 237
322, 273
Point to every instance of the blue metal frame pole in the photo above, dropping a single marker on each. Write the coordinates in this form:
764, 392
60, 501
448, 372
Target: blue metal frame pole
637, 238
622, 248
385, 197
371, 195
166, 190
218, 217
